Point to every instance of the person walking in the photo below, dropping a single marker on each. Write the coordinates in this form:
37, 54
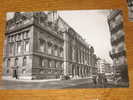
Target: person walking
94, 80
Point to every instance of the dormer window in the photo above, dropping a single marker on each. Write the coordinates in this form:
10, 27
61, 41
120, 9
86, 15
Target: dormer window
19, 22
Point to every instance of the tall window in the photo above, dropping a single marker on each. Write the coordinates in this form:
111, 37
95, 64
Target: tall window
8, 63
79, 55
41, 61
24, 61
19, 47
73, 53
61, 52
16, 62
42, 45
27, 46
11, 46
25, 34
49, 48
56, 64
19, 36
55, 50
22, 47
50, 64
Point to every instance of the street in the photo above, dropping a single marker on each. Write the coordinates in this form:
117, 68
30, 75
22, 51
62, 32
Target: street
56, 84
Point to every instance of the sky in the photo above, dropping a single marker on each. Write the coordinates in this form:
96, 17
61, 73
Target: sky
92, 26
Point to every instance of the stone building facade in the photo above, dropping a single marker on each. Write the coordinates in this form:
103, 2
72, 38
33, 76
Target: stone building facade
118, 52
41, 45
130, 9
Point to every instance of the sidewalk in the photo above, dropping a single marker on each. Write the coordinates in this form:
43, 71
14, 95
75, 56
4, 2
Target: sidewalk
45, 80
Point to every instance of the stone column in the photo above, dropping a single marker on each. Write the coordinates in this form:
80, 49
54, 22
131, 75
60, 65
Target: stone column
66, 44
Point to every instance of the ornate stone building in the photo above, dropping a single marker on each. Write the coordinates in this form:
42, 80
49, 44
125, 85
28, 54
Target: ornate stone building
118, 52
41, 45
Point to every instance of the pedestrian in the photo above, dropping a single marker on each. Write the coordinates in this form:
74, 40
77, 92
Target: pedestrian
94, 80
104, 81
97, 79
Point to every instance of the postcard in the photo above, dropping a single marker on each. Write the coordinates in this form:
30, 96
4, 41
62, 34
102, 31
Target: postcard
65, 49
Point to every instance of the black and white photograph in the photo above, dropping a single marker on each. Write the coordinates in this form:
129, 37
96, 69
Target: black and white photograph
130, 10
64, 49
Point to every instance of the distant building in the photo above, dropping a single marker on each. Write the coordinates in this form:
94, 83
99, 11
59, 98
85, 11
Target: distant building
118, 52
104, 67
109, 68
41, 45
101, 66
130, 9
